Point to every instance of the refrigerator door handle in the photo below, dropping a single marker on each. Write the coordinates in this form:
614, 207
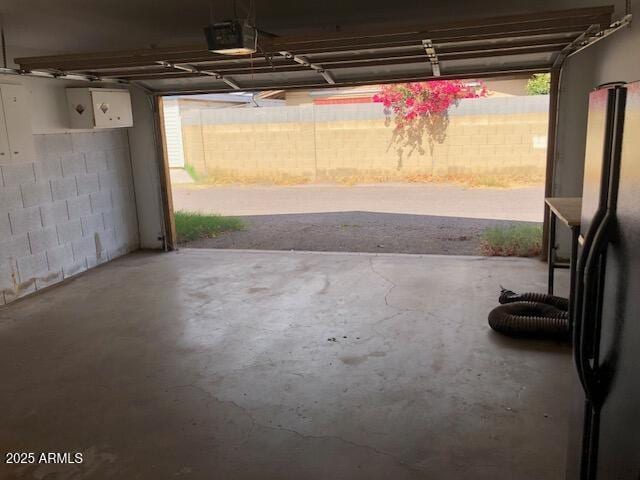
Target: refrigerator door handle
590, 311
581, 298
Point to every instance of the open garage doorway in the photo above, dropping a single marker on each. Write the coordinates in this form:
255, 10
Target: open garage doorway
244, 364
441, 167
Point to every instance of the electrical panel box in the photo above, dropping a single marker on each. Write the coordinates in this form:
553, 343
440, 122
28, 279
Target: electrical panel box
99, 108
16, 134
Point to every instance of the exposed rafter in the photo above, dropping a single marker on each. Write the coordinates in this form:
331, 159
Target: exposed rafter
513, 44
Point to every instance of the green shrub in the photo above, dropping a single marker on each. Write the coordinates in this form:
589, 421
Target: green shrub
193, 225
539, 84
512, 241
190, 169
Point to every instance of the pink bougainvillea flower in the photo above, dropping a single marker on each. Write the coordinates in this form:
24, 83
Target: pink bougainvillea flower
410, 101
420, 108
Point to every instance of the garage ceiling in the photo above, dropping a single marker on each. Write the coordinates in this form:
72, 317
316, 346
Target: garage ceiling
507, 45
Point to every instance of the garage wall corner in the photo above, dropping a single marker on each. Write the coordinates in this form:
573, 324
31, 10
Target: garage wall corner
613, 59
67, 201
143, 144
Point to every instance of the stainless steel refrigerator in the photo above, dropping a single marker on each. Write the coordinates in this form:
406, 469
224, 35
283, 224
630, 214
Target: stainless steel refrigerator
605, 429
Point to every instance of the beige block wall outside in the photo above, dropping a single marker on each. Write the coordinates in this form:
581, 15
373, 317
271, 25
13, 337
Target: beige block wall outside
474, 144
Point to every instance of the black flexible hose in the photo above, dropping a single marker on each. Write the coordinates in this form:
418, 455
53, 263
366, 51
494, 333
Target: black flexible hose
507, 296
529, 318
532, 314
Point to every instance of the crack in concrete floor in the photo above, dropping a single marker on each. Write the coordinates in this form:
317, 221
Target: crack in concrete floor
420, 411
256, 423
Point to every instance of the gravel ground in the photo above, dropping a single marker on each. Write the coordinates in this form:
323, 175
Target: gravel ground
357, 232
398, 218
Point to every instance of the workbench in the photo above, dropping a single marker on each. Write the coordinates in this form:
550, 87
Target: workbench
568, 211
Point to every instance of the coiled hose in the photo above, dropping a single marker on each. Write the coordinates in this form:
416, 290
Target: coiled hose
531, 314
507, 296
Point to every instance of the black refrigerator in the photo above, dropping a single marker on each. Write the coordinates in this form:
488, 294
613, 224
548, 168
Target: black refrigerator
605, 425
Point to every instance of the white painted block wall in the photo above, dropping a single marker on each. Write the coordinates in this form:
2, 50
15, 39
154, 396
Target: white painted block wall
69, 210
173, 132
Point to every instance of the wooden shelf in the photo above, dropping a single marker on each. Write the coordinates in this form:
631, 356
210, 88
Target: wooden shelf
567, 209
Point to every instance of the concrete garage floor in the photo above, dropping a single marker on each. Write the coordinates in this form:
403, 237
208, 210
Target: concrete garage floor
207, 364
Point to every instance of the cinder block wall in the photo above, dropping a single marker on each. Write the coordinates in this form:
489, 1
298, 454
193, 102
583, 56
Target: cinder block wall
69, 210
484, 136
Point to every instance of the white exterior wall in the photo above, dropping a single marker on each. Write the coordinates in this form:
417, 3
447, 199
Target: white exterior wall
173, 132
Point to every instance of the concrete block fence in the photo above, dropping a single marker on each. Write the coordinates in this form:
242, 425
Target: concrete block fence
484, 136
71, 208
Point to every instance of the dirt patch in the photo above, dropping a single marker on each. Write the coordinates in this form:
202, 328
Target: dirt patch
358, 232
